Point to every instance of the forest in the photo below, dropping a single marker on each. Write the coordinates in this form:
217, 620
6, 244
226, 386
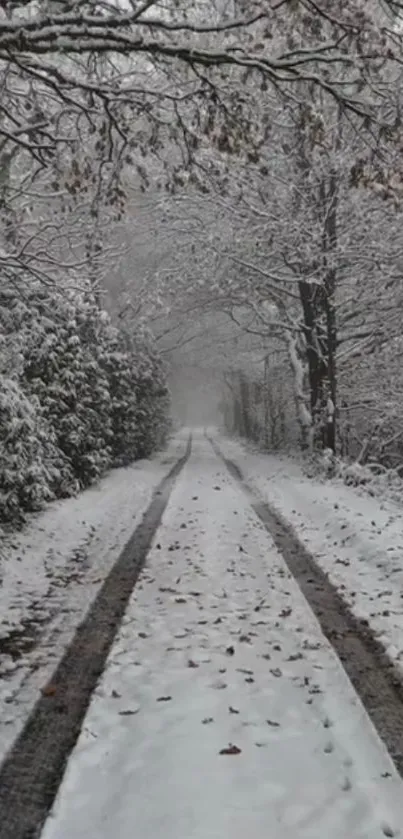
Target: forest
205, 191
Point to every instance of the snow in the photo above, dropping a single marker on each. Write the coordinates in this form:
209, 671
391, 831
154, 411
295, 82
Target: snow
51, 571
219, 648
356, 539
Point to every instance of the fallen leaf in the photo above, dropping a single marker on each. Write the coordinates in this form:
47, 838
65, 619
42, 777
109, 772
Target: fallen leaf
164, 698
49, 690
230, 750
309, 645
219, 685
128, 713
88, 730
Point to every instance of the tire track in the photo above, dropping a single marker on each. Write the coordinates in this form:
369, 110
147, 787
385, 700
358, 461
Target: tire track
33, 769
373, 675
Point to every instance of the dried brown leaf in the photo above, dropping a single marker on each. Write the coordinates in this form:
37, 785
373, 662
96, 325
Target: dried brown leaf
49, 690
230, 750
128, 713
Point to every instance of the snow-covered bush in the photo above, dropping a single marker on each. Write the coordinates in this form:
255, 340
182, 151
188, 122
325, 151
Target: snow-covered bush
152, 397
140, 398
61, 367
31, 467
118, 366
370, 478
82, 396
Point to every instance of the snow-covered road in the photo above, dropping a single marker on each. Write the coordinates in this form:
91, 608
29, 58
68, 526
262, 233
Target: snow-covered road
223, 711
52, 570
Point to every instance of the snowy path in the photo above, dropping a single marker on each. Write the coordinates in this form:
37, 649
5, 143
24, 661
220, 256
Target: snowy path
219, 650
52, 570
357, 540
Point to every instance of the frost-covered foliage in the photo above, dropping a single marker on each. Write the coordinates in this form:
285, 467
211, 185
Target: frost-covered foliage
79, 397
32, 470
123, 407
152, 397
62, 367
372, 478
371, 409
140, 399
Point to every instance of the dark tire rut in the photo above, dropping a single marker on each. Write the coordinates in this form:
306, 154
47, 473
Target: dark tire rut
373, 675
32, 771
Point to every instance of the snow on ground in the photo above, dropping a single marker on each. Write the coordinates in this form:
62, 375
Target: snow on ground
223, 711
356, 539
51, 571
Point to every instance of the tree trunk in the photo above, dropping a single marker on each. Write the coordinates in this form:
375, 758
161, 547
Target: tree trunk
329, 281
244, 399
318, 297
303, 414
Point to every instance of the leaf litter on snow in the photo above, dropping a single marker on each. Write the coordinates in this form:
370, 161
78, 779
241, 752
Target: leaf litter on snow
361, 562
56, 565
272, 712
